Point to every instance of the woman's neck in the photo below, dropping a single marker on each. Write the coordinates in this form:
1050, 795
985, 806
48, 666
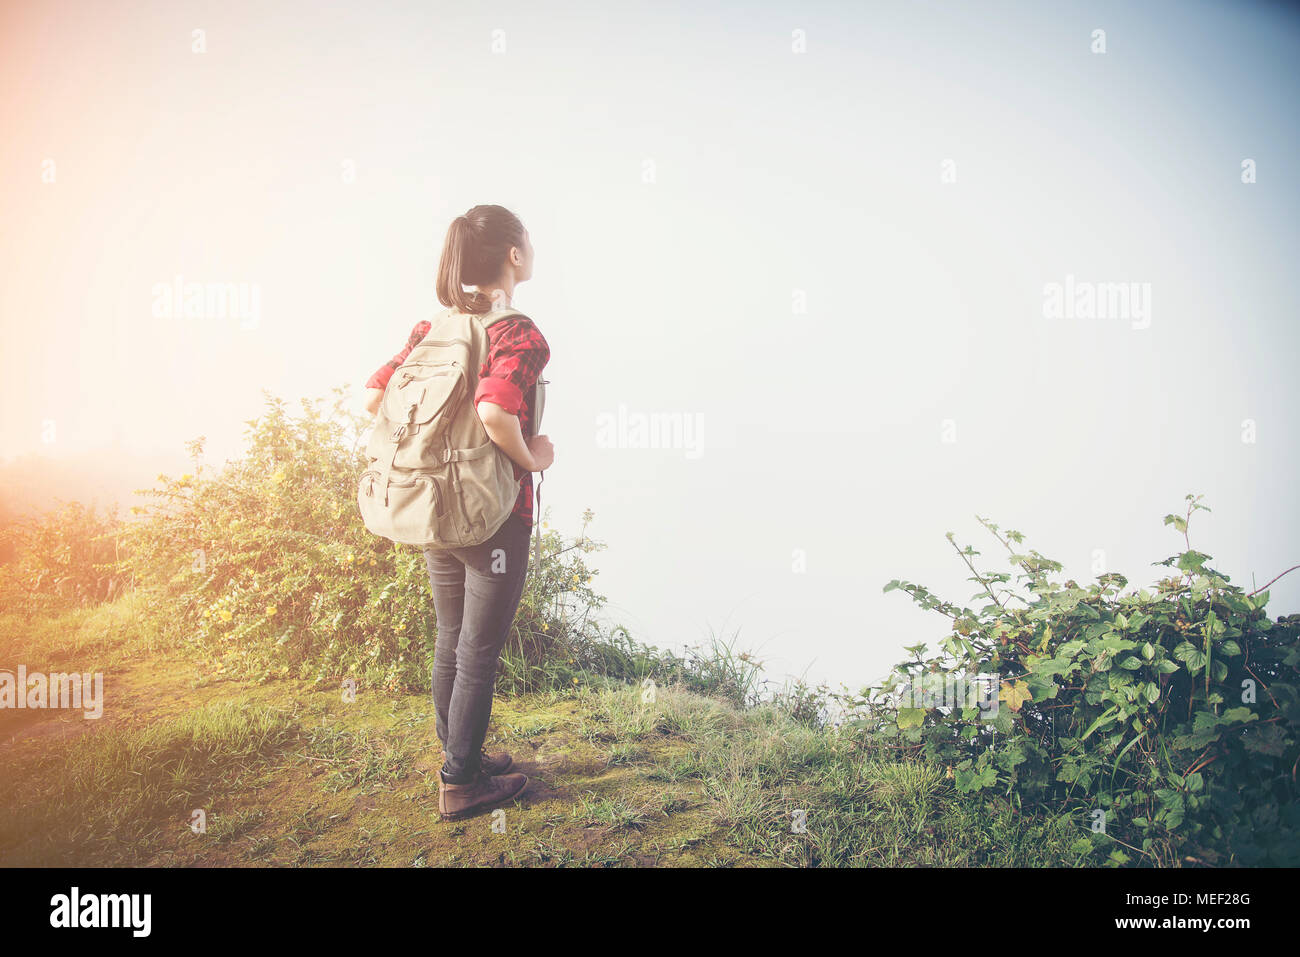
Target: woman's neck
501, 296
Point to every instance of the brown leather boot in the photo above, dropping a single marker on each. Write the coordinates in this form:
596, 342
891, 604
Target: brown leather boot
460, 800
493, 764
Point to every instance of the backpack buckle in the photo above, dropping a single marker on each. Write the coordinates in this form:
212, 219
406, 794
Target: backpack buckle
399, 433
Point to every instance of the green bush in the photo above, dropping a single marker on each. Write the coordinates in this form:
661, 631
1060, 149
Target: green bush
264, 568
66, 558
267, 569
1172, 712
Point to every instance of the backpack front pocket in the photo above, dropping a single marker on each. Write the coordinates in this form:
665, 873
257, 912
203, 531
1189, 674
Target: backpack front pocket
411, 509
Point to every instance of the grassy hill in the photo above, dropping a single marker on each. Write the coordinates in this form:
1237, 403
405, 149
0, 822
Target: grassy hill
291, 774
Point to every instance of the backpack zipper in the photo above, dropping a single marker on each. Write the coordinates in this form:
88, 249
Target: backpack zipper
440, 368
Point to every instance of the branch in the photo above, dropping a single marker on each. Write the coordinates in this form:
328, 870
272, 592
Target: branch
1287, 572
980, 578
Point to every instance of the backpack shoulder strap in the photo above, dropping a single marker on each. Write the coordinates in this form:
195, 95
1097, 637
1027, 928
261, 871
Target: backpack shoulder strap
483, 321
438, 320
496, 315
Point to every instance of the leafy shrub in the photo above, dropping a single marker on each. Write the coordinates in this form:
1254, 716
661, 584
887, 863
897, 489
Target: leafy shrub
808, 705
1172, 711
63, 559
266, 567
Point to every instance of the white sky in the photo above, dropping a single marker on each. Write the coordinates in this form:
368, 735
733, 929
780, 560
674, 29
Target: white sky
774, 172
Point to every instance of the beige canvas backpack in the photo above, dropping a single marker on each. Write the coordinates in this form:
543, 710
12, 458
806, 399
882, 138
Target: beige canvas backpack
434, 477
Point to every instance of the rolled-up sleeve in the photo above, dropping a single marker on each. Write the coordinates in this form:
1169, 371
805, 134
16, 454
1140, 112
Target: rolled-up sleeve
385, 372
517, 355
500, 392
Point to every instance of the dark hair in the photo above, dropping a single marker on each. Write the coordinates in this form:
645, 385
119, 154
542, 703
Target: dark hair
474, 253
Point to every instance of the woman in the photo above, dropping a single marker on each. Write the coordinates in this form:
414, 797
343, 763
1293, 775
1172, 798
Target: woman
476, 590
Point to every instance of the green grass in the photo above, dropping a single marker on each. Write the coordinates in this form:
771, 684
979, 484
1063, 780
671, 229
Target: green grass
291, 775
99, 797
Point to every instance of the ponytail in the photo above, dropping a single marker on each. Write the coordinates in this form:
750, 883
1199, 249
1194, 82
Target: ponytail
474, 253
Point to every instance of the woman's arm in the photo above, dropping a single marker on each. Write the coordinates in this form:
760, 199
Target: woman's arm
375, 385
535, 455
515, 360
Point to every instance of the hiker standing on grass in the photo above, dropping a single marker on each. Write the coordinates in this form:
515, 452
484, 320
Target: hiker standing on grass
476, 589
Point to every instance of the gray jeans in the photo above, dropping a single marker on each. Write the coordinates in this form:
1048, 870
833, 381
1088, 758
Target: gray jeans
476, 591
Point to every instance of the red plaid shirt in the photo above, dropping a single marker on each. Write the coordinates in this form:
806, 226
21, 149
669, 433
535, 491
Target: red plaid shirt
517, 353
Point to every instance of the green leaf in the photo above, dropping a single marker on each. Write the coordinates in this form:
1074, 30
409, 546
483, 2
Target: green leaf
1234, 715
910, 718
1052, 666
1105, 720
1191, 655
967, 781
1266, 739
1119, 757
1041, 687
